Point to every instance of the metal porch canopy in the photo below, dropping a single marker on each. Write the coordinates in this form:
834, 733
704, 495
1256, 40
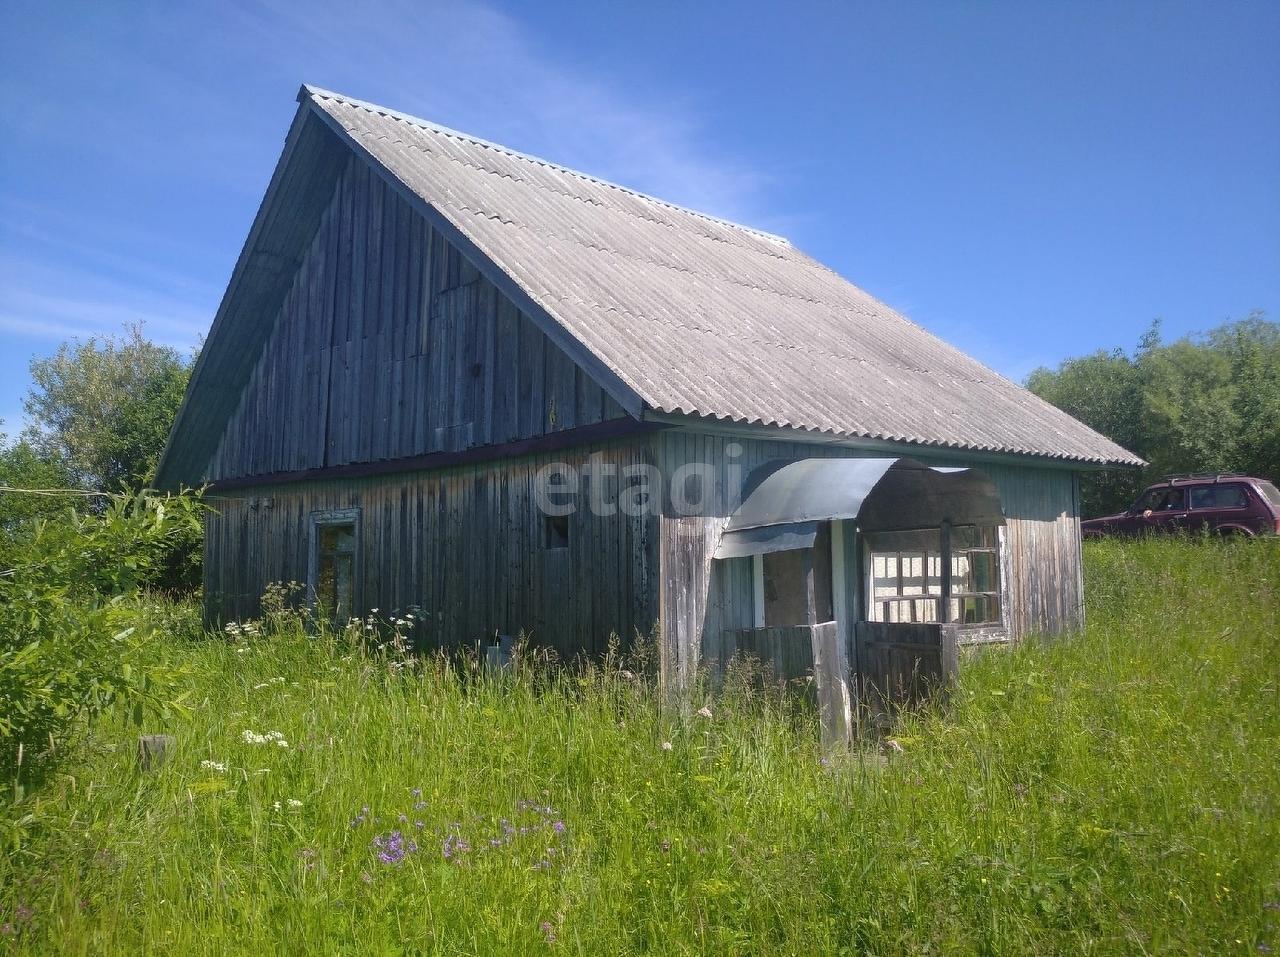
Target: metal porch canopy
784, 501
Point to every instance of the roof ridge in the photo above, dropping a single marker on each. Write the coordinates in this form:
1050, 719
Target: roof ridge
308, 90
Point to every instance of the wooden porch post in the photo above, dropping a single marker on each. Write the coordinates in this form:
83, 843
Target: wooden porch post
810, 595
830, 666
944, 607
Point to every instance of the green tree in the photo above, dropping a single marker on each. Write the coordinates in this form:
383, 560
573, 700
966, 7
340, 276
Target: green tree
1104, 391
105, 406
1207, 403
22, 467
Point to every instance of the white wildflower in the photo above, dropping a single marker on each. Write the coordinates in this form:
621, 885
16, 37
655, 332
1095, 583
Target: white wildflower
704, 712
210, 765
667, 745
252, 737
275, 805
294, 802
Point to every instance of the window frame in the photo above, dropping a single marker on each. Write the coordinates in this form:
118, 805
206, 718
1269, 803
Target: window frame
873, 605
321, 518
827, 557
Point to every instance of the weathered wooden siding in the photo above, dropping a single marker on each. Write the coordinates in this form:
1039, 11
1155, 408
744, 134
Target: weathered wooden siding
465, 544
702, 599
1041, 558
390, 344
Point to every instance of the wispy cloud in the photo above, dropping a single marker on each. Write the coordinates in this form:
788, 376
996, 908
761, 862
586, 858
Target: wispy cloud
470, 66
154, 173
79, 270
33, 306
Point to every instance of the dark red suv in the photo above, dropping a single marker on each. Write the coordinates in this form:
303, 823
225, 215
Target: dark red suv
1222, 504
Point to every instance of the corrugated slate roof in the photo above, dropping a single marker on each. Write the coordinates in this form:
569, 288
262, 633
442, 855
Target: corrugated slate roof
700, 316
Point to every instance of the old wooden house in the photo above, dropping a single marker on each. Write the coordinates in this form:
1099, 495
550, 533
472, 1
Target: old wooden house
449, 375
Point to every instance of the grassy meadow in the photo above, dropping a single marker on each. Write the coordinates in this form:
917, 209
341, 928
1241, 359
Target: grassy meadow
1114, 792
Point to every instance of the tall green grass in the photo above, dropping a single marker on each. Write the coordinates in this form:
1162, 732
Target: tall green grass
1115, 792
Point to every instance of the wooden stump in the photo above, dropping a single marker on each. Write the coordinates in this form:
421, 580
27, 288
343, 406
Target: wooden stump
153, 749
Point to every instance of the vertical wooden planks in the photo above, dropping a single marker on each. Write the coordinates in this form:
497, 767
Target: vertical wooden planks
389, 345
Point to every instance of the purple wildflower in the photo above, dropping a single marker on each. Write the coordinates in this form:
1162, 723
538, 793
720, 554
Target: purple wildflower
453, 846
558, 827
391, 849
548, 931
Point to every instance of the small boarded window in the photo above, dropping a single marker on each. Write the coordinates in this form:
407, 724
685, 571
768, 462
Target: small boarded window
334, 563
555, 531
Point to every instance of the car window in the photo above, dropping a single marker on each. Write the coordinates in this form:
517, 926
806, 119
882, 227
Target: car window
1151, 499
1270, 493
1176, 501
1219, 496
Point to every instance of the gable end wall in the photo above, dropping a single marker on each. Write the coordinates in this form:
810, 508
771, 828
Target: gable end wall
390, 344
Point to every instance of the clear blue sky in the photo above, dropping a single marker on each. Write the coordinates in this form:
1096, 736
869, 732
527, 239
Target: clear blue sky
1028, 180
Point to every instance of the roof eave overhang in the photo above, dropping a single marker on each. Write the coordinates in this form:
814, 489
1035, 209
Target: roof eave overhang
926, 452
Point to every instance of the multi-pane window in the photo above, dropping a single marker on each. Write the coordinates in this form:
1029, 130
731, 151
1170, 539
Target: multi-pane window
907, 576
905, 585
333, 582
975, 575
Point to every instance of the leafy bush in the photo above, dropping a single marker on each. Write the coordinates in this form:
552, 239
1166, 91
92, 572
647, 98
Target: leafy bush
72, 642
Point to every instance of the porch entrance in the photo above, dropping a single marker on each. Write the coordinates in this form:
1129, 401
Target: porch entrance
870, 574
